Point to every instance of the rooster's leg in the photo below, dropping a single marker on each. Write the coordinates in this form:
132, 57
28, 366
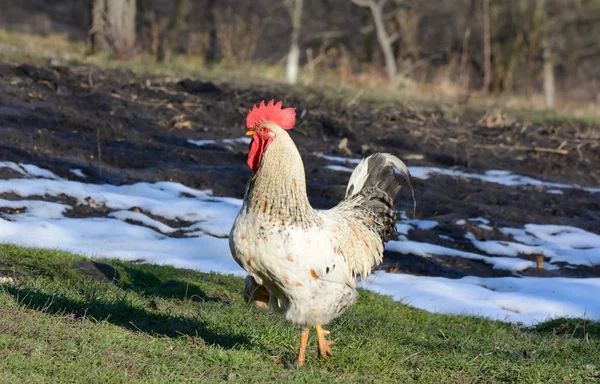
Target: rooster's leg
302, 351
324, 344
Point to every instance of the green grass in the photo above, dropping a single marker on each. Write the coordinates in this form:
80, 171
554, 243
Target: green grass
58, 326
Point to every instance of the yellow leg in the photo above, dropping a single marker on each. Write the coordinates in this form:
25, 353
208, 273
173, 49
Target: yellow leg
302, 351
324, 344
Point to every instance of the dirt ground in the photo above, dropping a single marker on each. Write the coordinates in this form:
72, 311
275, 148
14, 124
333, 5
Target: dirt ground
121, 128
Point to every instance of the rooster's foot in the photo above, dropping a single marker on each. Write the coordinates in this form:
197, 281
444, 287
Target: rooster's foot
324, 344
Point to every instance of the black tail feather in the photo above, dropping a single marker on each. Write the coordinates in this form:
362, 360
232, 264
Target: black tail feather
375, 186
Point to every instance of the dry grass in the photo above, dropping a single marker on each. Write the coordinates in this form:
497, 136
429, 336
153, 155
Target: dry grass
327, 73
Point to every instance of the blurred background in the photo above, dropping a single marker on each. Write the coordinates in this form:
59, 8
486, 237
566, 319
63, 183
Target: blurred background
544, 53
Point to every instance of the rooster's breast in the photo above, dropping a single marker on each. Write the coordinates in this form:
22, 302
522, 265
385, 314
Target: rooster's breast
299, 265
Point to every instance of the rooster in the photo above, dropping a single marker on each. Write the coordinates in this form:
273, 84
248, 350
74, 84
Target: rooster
309, 260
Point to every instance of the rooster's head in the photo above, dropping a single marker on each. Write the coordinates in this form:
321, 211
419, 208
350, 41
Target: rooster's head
260, 122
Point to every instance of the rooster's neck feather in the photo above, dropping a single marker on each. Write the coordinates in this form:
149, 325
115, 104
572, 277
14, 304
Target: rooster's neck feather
278, 189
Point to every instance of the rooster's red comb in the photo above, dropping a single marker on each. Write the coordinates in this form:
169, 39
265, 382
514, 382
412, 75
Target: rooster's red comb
285, 118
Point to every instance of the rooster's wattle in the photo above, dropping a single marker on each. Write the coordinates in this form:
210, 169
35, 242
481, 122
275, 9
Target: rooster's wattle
308, 260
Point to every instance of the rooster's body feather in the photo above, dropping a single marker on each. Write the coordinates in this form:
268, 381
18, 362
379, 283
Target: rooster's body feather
307, 259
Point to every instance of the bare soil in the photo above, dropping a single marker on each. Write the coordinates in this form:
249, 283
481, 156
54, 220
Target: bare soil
119, 127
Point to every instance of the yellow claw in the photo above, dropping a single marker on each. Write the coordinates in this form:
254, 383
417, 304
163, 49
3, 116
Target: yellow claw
324, 344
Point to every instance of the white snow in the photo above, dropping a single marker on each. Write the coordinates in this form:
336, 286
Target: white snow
558, 243
78, 172
13, 166
339, 159
36, 171
240, 140
480, 220
527, 300
501, 177
430, 250
141, 217
339, 168
201, 143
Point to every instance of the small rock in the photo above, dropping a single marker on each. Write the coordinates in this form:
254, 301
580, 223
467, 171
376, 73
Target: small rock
6, 280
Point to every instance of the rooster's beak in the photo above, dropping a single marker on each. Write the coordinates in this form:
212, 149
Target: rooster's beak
249, 133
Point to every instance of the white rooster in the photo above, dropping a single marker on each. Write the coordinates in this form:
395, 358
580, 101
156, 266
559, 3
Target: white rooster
308, 260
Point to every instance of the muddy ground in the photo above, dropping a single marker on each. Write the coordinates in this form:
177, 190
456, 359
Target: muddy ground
119, 128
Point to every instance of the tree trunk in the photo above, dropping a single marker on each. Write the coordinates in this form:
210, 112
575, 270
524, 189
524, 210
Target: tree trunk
113, 27
547, 57
382, 36
487, 59
293, 59
97, 33
549, 83
176, 25
212, 52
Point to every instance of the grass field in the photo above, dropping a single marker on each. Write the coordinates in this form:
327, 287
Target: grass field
161, 324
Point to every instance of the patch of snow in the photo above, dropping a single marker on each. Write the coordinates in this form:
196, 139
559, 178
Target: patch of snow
78, 172
526, 300
430, 250
338, 168
422, 224
34, 209
485, 227
15, 167
201, 143
480, 220
130, 234
239, 140
35, 171
558, 243
461, 222
340, 159
501, 177
404, 226
403, 229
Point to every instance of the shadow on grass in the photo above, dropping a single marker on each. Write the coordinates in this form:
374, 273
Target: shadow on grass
122, 313
147, 283
577, 328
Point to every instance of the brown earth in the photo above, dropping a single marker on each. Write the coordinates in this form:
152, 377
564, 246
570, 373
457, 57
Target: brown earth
119, 127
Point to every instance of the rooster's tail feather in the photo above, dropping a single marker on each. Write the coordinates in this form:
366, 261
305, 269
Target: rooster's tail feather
375, 180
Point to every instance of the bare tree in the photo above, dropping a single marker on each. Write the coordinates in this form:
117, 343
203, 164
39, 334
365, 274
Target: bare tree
487, 59
175, 26
293, 59
210, 56
113, 27
547, 56
382, 36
